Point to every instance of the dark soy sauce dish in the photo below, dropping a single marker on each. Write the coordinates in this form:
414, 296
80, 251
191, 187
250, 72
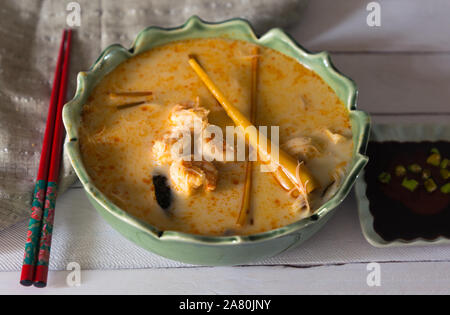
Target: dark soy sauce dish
408, 189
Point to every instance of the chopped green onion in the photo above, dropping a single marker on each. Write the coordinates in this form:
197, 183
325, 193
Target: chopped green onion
445, 173
400, 170
410, 184
446, 188
384, 178
426, 174
435, 150
434, 159
445, 163
415, 168
430, 185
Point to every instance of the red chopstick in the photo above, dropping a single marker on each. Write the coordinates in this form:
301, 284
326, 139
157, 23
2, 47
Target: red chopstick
40, 275
35, 266
34, 226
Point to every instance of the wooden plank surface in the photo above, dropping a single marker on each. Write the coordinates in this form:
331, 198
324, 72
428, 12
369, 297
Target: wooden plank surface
411, 278
399, 83
406, 25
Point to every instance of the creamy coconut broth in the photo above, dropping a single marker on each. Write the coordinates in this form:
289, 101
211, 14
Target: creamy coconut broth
117, 142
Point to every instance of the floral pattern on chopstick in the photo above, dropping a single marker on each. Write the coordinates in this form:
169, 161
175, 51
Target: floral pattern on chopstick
47, 229
34, 226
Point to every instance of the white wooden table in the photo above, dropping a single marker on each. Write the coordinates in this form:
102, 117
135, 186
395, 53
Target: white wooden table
402, 69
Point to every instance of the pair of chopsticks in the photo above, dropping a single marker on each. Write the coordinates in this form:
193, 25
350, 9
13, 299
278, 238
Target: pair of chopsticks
40, 228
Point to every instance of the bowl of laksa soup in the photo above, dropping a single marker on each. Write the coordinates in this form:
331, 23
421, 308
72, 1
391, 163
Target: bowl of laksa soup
208, 145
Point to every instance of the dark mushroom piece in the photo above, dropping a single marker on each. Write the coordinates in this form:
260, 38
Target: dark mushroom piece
163, 193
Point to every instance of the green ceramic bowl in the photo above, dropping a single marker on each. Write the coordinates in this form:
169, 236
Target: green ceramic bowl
209, 250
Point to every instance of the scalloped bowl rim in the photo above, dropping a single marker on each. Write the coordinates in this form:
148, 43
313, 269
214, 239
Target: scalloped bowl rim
195, 23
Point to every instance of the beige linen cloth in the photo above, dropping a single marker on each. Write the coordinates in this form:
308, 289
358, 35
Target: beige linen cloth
30, 32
